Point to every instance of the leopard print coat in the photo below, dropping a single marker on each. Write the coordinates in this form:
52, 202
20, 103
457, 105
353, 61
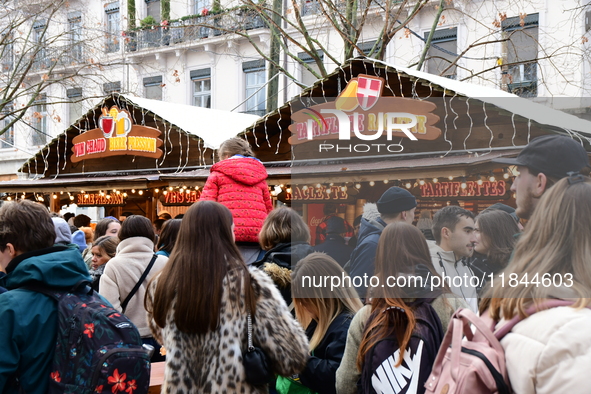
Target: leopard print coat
212, 363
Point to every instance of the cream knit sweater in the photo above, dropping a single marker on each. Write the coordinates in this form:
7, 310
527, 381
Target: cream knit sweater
121, 274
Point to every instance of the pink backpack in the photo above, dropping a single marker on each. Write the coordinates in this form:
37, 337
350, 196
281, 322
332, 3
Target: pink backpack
476, 364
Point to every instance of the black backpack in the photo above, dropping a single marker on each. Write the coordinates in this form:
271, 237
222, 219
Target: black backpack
98, 349
379, 374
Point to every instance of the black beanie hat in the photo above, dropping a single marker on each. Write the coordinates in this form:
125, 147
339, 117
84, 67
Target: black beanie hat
395, 200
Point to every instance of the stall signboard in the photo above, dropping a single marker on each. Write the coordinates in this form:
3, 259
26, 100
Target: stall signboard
471, 189
180, 197
94, 199
116, 136
327, 193
361, 111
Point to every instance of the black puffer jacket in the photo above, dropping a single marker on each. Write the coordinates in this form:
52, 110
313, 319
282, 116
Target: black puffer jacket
320, 372
335, 247
279, 261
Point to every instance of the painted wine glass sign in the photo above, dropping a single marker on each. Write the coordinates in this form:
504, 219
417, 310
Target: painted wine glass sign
117, 135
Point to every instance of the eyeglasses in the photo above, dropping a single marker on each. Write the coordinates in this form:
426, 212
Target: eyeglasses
575, 177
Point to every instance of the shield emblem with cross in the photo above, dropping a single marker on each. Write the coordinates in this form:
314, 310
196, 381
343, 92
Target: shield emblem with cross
369, 89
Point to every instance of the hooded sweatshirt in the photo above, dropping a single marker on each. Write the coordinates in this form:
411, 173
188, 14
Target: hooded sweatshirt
239, 184
446, 265
28, 319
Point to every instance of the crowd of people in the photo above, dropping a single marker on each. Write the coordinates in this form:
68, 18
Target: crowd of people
234, 270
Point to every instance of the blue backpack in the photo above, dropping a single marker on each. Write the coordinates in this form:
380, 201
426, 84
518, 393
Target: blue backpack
98, 349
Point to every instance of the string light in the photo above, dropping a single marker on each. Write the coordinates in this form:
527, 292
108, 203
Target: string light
372, 183
344, 188
358, 186
435, 180
124, 194
421, 182
196, 187
451, 177
141, 192
117, 192
108, 196
305, 187
71, 197
156, 190
61, 192
318, 185
408, 185
505, 173
133, 190
386, 181
187, 191
54, 196
289, 190
165, 192
479, 182
184, 187
171, 188
464, 185
492, 177
9, 198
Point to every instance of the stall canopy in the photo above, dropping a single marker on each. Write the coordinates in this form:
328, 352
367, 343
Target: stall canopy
127, 141
469, 120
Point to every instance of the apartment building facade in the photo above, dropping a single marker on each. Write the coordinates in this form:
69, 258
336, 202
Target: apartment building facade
213, 54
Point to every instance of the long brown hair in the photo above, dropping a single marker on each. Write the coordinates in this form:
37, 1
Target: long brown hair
321, 303
401, 248
497, 231
556, 241
204, 254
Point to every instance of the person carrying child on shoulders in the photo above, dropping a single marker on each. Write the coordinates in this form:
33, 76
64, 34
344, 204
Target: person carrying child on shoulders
238, 182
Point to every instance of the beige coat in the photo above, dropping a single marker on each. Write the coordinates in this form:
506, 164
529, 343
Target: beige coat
121, 274
348, 374
550, 352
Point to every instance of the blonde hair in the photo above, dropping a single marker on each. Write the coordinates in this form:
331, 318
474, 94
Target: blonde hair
321, 303
557, 240
283, 225
235, 146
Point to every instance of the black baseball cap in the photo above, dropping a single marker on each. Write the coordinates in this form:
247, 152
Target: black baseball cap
553, 155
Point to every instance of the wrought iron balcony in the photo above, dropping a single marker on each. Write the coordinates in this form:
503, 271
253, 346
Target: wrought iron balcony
57, 57
195, 28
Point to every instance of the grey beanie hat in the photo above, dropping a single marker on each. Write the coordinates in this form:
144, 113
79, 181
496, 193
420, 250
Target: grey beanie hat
63, 235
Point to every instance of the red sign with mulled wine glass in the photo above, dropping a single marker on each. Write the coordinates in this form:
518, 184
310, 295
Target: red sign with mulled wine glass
117, 136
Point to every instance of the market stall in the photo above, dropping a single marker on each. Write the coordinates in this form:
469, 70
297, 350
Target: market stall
121, 154
371, 125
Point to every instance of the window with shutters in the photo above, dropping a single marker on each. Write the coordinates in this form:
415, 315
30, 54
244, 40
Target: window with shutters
443, 52
522, 53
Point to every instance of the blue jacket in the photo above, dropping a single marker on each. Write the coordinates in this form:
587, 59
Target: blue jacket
2, 276
362, 260
28, 320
